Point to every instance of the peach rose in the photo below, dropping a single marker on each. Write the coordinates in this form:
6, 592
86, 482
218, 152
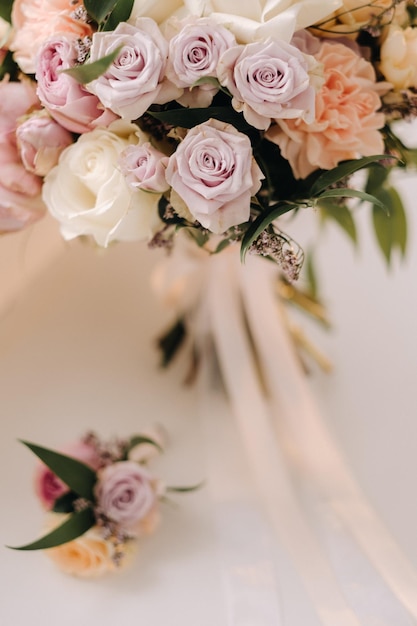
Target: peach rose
34, 21
87, 556
347, 123
399, 57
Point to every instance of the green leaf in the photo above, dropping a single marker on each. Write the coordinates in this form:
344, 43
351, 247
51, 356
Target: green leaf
99, 9
78, 476
65, 503
171, 341
90, 71
399, 225
340, 214
188, 118
6, 9
75, 526
120, 13
225, 243
311, 275
186, 489
138, 439
382, 227
354, 193
346, 168
261, 222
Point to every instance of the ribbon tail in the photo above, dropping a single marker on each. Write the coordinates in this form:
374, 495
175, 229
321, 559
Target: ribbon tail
267, 464
309, 446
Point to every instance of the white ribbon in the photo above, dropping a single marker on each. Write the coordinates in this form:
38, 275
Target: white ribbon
285, 439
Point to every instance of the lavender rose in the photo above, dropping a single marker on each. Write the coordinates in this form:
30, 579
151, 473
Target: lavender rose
269, 80
68, 102
143, 167
195, 48
125, 493
136, 78
214, 173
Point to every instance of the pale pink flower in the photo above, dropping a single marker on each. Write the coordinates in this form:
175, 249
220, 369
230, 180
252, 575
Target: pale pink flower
214, 173
34, 21
48, 487
40, 141
125, 494
347, 123
269, 80
20, 201
69, 102
143, 167
195, 47
136, 78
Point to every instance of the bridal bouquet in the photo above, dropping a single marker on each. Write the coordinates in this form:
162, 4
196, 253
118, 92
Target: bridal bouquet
101, 500
128, 119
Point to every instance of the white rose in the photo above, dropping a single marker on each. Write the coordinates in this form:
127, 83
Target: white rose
252, 21
88, 194
399, 57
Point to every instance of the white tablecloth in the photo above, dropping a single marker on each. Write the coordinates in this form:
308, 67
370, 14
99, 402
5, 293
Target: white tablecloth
77, 352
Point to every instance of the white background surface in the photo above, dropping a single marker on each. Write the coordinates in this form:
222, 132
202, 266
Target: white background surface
76, 353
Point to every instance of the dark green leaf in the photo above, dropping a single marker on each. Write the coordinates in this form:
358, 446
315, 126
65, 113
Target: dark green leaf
377, 177
6, 9
346, 168
171, 341
340, 214
65, 504
353, 193
138, 439
120, 13
263, 221
399, 219
383, 232
90, 71
78, 476
9, 67
75, 526
99, 9
188, 118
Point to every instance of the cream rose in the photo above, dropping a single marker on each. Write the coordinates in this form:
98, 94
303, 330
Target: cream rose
399, 57
253, 21
88, 194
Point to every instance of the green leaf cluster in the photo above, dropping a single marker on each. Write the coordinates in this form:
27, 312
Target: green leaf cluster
81, 480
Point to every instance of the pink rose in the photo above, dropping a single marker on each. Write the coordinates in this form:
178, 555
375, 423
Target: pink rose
20, 201
69, 103
214, 173
269, 80
346, 125
194, 53
125, 494
48, 487
34, 21
143, 167
41, 140
136, 79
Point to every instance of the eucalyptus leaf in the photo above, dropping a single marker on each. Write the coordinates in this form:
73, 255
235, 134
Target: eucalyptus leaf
65, 503
399, 225
390, 231
120, 13
225, 243
330, 177
171, 341
346, 192
74, 526
6, 9
99, 9
340, 214
90, 71
261, 222
78, 476
311, 275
